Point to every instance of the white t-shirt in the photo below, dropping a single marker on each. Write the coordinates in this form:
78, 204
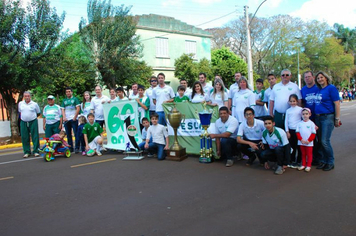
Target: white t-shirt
158, 133
276, 139
148, 93
199, 98
293, 117
259, 110
29, 110
231, 126
97, 105
161, 95
280, 95
233, 89
133, 96
217, 99
251, 133
123, 99
207, 89
242, 99
267, 95
52, 114
305, 129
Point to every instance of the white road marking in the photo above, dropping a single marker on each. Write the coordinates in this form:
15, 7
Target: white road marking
27, 159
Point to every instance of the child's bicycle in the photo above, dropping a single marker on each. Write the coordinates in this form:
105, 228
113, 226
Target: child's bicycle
54, 148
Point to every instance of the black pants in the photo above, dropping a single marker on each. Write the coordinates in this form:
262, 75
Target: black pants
280, 154
295, 157
247, 150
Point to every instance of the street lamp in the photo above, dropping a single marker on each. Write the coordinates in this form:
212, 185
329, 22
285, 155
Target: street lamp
299, 79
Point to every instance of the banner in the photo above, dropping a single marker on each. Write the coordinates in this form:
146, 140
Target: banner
122, 125
190, 128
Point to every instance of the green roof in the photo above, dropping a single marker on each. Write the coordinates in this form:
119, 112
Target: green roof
168, 24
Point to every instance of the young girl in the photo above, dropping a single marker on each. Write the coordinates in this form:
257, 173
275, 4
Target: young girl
293, 117
198, 95
219, 97
306, 134
82, 121
121, 96
85, 105
113, 97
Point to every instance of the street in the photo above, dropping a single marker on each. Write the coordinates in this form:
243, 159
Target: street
109, 196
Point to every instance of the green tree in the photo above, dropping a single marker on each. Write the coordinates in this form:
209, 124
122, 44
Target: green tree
114, 46
27, 38
186, 68
226, 63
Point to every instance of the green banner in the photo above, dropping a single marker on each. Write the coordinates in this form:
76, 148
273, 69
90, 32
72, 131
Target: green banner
122, 125
190, 127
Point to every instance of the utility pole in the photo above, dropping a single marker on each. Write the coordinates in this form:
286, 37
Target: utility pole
249, 57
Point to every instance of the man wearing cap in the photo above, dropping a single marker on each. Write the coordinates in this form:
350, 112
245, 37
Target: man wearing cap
29, 111
52, 118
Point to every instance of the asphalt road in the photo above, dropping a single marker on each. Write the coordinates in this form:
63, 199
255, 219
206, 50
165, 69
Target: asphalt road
108, 196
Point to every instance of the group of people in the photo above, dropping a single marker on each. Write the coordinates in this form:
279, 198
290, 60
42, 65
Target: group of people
297, 121
279, 124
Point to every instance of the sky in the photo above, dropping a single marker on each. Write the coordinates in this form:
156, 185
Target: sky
216, 13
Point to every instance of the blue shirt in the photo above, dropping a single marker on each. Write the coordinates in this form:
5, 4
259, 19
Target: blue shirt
309, 98
325, 98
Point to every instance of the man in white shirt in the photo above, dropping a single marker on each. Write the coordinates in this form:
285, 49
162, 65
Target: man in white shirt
226, 127
29, 111
96, 105
272, 81
149, 91
134, 93
233, 89
162, 94
206, 87
279, 99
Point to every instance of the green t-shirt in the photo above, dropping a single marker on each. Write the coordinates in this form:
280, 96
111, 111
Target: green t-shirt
70, 105
181, 99
52, 114
92, 131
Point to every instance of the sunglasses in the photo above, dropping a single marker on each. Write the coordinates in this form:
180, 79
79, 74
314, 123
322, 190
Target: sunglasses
285, 75
153, 81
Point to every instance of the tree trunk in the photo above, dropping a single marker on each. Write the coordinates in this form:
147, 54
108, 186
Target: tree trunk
12, 107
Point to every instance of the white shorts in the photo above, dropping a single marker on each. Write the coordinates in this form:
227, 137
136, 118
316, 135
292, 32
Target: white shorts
94, 144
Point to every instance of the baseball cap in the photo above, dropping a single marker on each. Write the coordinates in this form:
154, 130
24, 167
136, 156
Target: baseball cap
50, 97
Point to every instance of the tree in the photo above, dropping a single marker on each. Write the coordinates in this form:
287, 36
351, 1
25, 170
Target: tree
186, 68
226, 63
27, 38
114, 47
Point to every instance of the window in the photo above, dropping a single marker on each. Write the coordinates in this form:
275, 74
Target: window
162, 47
191, 48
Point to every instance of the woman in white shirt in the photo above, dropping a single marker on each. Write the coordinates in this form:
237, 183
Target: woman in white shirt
218, 96
198, 95
242, 99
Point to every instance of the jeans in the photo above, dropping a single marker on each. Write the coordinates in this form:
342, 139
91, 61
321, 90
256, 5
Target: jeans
159, 148
247, 150
68, 126
325, 123
80, 138
280, 154
161, 118
228, 147
142, 144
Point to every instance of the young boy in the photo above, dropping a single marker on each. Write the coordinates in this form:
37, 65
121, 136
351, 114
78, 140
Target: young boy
58, 137
93, 135
121, 96
143, 104
276, 146
181, 97
260, 109
146, 125
159, 136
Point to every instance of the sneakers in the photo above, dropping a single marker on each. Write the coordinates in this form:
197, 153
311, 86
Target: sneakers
149, 155
26, 155
301, 167
294, 165
76, 150
84, 153
104, 149
229, 163
307, 169
37, 155
99, 153
279, 170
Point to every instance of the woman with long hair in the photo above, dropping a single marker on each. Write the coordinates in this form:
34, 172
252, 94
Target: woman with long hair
327, 111
85, 105
198, 95
242, 99
218, 96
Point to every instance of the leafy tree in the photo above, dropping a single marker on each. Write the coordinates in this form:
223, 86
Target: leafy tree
226, 63
186, 68
27, 38
114, 47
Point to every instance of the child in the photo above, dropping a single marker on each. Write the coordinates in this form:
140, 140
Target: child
159, 136
260, 109
143, 104
59, 137
146, 125
293, 117
85, 105
276, 146
82, 121
181, 97
121, 96
306, 134
93, 135
113, 97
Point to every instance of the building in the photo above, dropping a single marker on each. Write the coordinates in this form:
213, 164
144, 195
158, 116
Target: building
165, 39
